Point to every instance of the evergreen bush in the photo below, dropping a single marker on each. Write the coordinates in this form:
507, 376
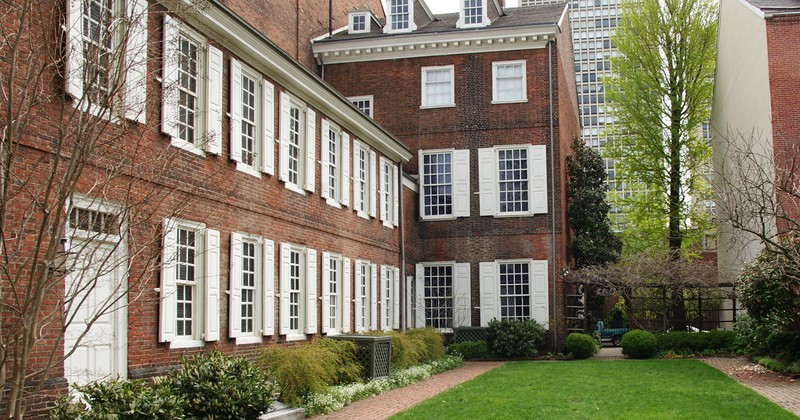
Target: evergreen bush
581, 346
639, 344
514, 338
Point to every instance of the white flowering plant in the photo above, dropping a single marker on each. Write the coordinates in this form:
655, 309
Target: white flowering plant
340, 395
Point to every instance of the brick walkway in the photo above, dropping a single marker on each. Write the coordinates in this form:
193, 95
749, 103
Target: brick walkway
781, 390
397, 400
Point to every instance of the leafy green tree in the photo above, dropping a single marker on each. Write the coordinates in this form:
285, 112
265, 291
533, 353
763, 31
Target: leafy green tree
659, 96
595, 243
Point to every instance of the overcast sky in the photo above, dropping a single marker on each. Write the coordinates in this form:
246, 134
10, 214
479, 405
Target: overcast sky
451, 6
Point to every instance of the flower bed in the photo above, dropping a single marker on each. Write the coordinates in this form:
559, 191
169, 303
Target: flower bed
340, 395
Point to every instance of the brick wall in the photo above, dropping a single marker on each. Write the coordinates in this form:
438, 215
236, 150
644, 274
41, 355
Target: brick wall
291, 24
783, 34
472, 124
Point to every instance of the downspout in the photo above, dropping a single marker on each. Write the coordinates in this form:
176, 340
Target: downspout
400, 226
552, 195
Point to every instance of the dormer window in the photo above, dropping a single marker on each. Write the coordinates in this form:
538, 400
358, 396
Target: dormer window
359, 23
401, 16
473, 13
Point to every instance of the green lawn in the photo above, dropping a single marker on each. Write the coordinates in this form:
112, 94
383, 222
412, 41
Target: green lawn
596, 389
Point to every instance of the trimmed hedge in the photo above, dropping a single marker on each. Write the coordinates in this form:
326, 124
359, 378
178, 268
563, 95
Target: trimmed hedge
469, 350
694, 343
581, 346
639, 344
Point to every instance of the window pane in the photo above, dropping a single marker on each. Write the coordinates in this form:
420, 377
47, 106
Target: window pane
437, 184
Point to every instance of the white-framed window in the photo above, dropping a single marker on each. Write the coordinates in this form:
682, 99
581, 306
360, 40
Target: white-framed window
99, 79
442, 295
364, 180
509, 82
438, 87
252, 288
366, 296
335, 174
335, 294
364, 103
298, 291
400, 16
191, 110
473, 14
298, 144
445, 185
513, 180
359, 22
189, 284
514, 289
390, 297
388, 193
252, 120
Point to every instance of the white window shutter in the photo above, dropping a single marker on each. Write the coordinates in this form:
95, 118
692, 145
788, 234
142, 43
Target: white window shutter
214, 98
396, 298
461, 193
373, 294
283, 316
326, 161
75, 58
487, 175
462, 313
381, 196
136, 62
268, 120
539, 293
268, 296
344, 161
419, 297
168, 303
283, 160
326, 291
358, 203
359, 296
311, 291
311, 149
346, 299
235, 290
538, 188
212, 285
395, 195
373, 203
490, 307
169, 77
236, 110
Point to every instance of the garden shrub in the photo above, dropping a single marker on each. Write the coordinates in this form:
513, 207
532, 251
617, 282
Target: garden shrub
710, 342
469, 350
779, 365
751, 334
639, 344
406, 351
123, 400
581, 346
347, 367
514, 338
306, 368
219, 386
432, 340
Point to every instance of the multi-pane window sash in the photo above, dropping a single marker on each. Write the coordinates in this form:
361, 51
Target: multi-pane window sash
437, 184
515, 294
437, 84
98, 33
509, 81
334, 293
333, 168
295, 291
188, 88
363, 103
298, 144
186, 285
363, 295
249, 120
438, 296
248, 296
358, 23
399, 14
473, 12
513, 180
295, 146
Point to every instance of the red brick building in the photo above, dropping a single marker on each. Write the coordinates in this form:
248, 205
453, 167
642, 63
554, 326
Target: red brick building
185, 179
486, 100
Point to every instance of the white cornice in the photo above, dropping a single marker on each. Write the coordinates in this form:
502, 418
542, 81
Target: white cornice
433, 44
215, 20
